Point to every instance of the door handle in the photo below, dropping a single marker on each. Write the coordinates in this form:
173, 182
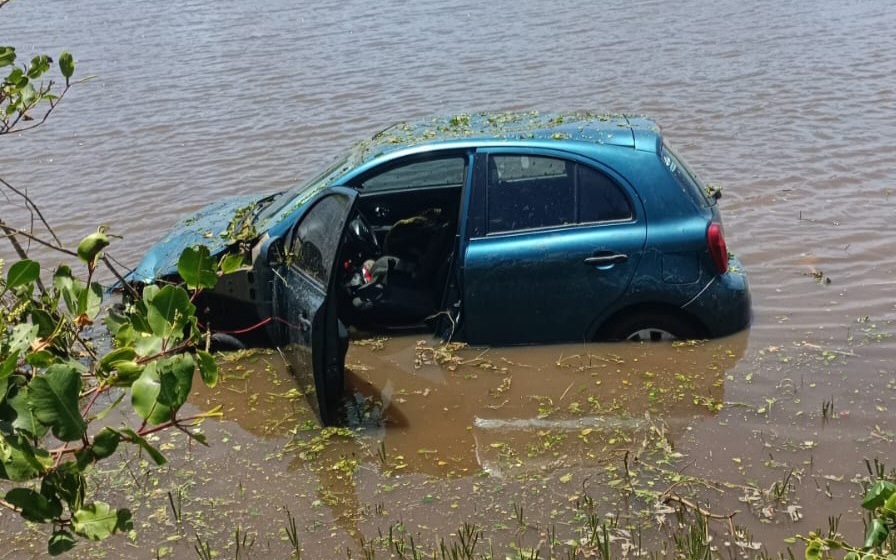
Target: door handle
606, 259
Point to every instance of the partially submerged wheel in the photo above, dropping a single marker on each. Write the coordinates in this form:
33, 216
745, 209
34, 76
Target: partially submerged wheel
653, 327
225, 342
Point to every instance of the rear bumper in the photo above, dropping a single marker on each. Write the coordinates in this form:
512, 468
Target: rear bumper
724, 305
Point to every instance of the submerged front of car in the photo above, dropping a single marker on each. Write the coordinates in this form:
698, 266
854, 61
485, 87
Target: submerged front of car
215, 227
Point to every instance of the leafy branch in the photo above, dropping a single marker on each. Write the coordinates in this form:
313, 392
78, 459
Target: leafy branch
51, 373
52, 377
23, 89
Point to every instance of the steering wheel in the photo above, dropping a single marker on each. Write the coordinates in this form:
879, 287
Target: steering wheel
361, 230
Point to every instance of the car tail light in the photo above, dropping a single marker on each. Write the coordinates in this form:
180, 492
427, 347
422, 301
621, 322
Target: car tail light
718, 250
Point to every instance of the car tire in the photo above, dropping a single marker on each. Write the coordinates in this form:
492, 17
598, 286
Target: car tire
226, 342
652, 327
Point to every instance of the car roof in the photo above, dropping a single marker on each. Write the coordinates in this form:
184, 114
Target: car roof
638, 132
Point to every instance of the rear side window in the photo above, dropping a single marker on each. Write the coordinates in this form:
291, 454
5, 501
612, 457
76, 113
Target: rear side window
526, 192
600, 199
315, 242
532, 192
445, 172
688, 182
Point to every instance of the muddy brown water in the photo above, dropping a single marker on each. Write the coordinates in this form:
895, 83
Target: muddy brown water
790, 106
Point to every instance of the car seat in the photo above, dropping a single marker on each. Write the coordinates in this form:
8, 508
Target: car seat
401, 289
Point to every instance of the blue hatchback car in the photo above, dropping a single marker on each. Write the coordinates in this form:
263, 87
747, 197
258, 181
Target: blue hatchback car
492, 228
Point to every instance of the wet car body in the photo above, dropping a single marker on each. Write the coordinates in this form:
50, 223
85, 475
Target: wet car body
504, 228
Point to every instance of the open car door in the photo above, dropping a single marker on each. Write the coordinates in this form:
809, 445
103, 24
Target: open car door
304, 306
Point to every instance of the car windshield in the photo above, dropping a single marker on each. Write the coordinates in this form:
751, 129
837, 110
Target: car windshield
299, 194
685, 179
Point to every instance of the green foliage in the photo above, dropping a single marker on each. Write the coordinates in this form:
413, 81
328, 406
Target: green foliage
52, 377
24, 89
90, 247
98, 521
22, 273
880, 504
197, 268
53, 400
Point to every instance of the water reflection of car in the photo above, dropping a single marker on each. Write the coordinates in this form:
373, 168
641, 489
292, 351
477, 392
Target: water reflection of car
509, 228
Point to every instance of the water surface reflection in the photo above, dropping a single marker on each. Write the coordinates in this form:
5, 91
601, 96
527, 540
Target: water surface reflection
419, 410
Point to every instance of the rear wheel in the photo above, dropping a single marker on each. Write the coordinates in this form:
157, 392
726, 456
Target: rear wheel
652, 327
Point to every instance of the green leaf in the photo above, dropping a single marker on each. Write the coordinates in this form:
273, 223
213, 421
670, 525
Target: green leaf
890, 504
169, 311
19, 461
35, 507
105, 364
105, 443
150, 292
877, 534
21, 273
208, 368
7, 56
39, 65
64, 283
138, 318
136, 439
66, 65
65, 483
147, 344
54, 400
115, 320
145, 396
17, 409
813, 550
61, 541
41, 359
79, 298
197, 268
176, 380
28, 95
17, 78
877, 495
90, 299
98, 521
7, 366
44, 321
126, 372
21, 337
231, 263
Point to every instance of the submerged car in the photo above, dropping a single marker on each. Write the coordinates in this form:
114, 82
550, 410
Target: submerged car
492, 228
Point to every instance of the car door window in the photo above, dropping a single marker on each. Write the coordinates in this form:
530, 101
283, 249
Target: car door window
528, 192
432, 173
315, 242
600, 199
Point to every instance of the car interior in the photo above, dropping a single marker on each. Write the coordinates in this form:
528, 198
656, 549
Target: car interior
397, 256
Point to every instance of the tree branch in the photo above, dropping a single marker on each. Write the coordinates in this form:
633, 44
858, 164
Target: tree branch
30, 203
12, 232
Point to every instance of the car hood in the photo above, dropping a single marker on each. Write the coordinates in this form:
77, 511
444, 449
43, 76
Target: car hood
208, 227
